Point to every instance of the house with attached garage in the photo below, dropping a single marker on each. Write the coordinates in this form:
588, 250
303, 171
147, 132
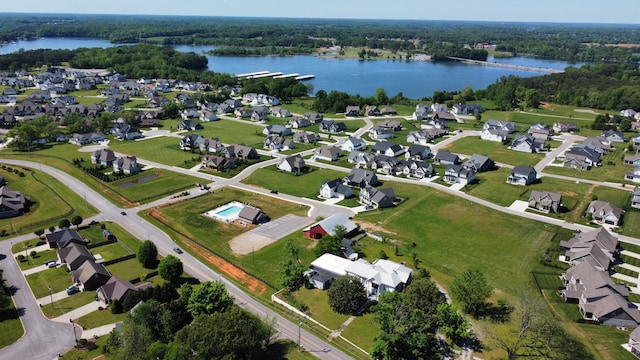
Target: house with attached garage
352, 111
388, 148
353, 143
299, 122
418, 169
104, 157
425, 136
218, 162
565, 127
117, 289
604, 212
241, 151
126, 165
434, 124
91, 275
634, 342
377, 198
494, 135
361, 178
445, 157
191, 142
417, 152
74, 255
507, 126
61, 238
12, 203
479, 163
635, 200
328, 226
371, 110
208, 115
457, 174
280, 112
422, 112
278, 143
633, 160
527, 143
522, 175
333, 127
313, 117
211, 145
189, 125
613, 135
466, 109
389, 165
581, 158
633, 175
304, 137
545, 201
124, 131
379, 133
388, 110
277, 130
293, 164
328, 153
335, 189
361, 159
390, 124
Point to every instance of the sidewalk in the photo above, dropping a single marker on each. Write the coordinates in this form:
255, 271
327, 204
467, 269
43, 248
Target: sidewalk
46, 300
98, 331
79, 312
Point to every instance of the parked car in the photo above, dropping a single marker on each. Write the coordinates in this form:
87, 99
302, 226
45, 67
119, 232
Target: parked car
123, 213
177, 250
41, 242
72, 290
274, 191
51, 263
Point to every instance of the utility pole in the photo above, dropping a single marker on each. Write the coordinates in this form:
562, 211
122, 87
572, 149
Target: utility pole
51, 296
299, 345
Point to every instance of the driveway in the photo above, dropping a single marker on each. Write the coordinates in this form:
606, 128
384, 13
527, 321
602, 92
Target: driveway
267, 233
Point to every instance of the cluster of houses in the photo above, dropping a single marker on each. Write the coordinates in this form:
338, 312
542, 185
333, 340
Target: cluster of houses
12, 203
441, 111
378, 277
588, 284
86, 271
587, 154
120, 164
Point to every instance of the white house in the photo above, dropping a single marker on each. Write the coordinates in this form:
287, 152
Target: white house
353, 143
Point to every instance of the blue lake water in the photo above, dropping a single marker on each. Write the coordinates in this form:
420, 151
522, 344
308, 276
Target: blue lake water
414, 79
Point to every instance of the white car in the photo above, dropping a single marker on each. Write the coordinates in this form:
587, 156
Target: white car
51, 263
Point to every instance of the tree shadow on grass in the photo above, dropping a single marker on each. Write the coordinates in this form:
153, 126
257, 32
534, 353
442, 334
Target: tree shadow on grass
11, 314
189, 280
498, 313
279, 350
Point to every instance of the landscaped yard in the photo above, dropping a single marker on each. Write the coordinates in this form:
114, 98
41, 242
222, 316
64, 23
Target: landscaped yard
41, 258
496, 151
304, 185
362, 330
57, 279
67, 304
612, 169
318, 303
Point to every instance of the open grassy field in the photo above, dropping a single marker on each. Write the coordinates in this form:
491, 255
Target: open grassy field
234, 132
318, 303
164, 150
631, 223
305, 185
496, 151
51, 200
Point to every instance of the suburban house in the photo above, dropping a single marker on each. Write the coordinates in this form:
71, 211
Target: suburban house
445, 157
597, 143
191, 142
241, 151
635, 200
565, 127
117, 289
443, 115
280, 112
539, 131
61, 238
422, 112
499, 125
304, 137
599, 299
628, 113
635, 140
353, 143
328, 226
293, 164
211, 145
379, 133
425, 135
74, 255
252, 215
581, 158
613, 135
633, 175
361, 178
218, 162
190, 125
335, 189
388, 110
352, 111
388, 148
545, 201
604, 212
371, 110
124, 131
417, 152
634, 342
277, 130
126, 165
12, 203
277, 143
522, 175
438, 107
418, 169
91, 275
314, 117
597, 247
479, 163
334, 127
377, 198
361, 159
434, 124
527, 143
390, 124
208, 115
299, 122
378, 277
466, 109
387, 164
497, 135
328, 153
457, 174
633, 160
103, 157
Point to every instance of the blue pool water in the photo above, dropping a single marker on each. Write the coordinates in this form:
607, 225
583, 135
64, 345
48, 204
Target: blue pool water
231, 210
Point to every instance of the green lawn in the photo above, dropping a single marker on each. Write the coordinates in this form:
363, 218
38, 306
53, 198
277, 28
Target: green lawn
229, 173
131, 270
234, 132
361, 331
99, 318
318, 303
496, 151
77, 354
165, 150
631, 223
110, 251
304, 185
67, 304
57, 279
41, 258
607, 172
50, 201
10, 324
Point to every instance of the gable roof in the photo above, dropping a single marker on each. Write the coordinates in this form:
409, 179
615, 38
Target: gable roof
116, 288
62, 237
330, 223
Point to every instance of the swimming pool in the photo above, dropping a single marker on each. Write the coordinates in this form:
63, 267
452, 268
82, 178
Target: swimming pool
227, 212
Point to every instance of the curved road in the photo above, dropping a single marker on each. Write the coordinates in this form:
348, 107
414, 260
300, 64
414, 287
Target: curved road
45, 339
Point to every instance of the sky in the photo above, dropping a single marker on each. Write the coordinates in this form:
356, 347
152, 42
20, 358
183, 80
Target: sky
563, 11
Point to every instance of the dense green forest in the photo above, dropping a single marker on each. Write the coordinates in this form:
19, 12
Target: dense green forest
600, 86
569, 42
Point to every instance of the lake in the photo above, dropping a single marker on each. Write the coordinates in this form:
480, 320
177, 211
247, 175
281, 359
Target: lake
415, 79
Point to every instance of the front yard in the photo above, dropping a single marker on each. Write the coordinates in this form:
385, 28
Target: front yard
496, 151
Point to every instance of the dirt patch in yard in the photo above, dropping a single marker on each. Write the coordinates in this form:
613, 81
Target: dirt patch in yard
369, 226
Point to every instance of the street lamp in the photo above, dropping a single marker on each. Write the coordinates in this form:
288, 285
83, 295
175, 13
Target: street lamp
74, 332
51, 296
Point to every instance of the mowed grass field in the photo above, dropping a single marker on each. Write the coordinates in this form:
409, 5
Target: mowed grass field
496, 151
613, 169
304, 185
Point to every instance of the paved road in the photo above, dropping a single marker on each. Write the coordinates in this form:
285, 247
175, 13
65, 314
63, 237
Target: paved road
45, 339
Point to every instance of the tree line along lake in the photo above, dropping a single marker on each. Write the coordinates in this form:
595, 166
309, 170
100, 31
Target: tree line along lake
415, 79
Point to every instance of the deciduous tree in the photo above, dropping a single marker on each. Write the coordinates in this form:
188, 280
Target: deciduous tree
148, 254
471, 290
170, 269
210, 297
347, 295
